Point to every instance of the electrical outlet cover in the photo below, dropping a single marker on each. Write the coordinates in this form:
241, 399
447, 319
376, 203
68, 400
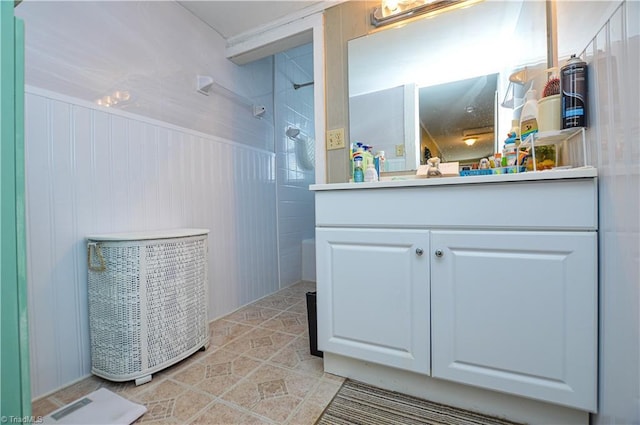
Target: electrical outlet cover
335, 139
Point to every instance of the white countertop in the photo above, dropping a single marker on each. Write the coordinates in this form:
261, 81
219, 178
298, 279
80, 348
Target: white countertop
411, 181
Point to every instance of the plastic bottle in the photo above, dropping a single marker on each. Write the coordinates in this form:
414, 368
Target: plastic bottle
370, 174
529, 116
509, 153
358, 173
367, 156
356, 150
515, 129
378, 161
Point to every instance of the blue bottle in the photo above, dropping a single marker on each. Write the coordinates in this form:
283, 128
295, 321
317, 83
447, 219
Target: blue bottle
358, 172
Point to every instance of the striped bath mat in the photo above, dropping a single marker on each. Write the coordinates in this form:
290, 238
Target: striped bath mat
362, 404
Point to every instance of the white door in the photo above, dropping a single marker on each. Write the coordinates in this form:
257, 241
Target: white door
373, 295
517, 312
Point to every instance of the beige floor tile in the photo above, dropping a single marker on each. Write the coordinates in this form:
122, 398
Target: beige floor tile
332, 377
183, 364
277, 302
239, 365
272, 392
288, 322
297, 356
278, 408
266, 398
224, 369
221, 414
300, 308
324, 392
77, 390
260, 343
224, 331
44, 406
191, 375
252, 315
165, 390
269, 379
159, 411
189, 404
307, 414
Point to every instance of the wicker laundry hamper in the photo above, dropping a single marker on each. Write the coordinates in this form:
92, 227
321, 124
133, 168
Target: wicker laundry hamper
147, 301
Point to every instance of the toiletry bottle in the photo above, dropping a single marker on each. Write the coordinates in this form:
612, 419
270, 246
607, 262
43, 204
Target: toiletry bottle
367, 156
509, 153
381, 159
370, 174
358, 173
515, 129
529, 116
357, 150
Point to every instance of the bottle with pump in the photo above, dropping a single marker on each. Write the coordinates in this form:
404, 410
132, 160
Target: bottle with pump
370, 174
529, 116
358, 173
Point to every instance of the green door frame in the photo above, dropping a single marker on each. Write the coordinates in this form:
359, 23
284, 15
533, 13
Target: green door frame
15, 391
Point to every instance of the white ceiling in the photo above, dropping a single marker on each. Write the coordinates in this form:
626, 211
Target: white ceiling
232, 18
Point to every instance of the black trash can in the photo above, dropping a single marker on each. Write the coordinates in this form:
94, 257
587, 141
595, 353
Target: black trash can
312, 317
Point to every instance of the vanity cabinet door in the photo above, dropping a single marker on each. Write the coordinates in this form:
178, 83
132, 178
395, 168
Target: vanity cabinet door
373, 295
517, 312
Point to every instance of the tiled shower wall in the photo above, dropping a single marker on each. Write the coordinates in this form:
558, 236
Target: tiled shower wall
294, 158
613, 56
90, 171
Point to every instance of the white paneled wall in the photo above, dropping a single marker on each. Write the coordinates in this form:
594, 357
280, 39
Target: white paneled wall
153, 50
294, 159
92, 171
614, 133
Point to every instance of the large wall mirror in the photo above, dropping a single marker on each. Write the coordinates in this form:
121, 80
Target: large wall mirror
439, 81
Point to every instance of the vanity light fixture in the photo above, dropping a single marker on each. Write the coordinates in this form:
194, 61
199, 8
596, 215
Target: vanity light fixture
392, 11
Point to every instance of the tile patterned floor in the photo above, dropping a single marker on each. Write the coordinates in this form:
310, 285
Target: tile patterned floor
257, 370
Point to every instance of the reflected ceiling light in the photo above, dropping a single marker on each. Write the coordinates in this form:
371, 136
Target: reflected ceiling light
391, 11
469, 141
117, 97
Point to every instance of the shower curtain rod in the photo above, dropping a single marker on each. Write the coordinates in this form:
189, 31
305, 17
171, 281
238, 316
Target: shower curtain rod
297, 86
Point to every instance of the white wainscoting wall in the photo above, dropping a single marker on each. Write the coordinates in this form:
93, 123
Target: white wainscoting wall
92, 170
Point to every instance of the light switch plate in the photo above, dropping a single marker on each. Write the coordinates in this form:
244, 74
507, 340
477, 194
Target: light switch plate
335, 139
399, 150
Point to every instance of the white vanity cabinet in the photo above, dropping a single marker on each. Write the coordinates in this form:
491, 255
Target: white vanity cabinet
375, 296
515, 311
487, 281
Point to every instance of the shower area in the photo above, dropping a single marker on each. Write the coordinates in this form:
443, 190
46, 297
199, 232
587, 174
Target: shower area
295, 163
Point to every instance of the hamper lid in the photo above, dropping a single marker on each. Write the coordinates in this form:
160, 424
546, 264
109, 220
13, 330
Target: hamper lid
153, 234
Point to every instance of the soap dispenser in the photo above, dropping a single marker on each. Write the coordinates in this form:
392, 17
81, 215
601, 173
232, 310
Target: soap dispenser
370, 175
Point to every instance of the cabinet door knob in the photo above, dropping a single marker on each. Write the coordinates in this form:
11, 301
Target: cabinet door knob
419, 251
439, 253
